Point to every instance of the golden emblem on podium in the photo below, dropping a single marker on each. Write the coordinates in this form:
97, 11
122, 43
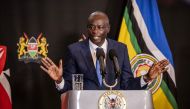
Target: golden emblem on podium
112, 100
32, 50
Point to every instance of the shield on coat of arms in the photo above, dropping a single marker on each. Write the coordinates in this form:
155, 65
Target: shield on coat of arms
32, 47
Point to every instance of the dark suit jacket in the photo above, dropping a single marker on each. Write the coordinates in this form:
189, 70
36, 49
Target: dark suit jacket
79, 60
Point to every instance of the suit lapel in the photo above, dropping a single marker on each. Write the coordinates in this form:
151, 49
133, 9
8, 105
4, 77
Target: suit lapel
109, 65
108, 60
87, 57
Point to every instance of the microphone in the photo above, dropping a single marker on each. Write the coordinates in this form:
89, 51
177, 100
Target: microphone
113, 57
100, 55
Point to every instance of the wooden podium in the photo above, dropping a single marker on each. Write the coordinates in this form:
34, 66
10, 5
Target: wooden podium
97, 99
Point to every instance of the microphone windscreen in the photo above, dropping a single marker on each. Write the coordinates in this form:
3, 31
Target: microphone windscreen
100, 52
112, 53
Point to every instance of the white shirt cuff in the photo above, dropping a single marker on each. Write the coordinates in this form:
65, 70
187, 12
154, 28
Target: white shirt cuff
60, 86
143, 83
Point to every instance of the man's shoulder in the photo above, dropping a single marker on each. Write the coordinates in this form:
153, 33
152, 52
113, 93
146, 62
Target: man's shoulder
77, 45
115, 43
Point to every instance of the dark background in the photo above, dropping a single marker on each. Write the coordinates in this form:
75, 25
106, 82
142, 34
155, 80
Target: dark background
62, 22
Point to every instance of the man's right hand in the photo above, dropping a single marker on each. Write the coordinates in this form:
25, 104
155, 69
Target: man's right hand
54, 71
82, 37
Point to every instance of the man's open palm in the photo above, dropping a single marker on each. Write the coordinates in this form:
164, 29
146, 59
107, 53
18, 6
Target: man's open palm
54, 71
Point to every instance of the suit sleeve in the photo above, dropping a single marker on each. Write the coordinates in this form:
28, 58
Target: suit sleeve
128, 82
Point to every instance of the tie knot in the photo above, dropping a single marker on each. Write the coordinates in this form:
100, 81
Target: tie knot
99, 52
99, 48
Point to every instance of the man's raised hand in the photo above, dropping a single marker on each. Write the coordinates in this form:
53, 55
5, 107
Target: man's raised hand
156, 69
54, 71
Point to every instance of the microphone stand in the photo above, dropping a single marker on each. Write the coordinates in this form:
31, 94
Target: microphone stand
110, 86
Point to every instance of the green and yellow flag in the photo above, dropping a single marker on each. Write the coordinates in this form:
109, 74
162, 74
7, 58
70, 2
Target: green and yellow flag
141, 30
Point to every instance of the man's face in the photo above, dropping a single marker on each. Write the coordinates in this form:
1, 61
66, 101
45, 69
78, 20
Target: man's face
98, 29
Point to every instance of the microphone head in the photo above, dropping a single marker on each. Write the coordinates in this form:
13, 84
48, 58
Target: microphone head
100, 52
112, 53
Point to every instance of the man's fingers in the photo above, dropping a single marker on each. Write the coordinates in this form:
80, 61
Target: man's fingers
164, 70
51, 74
45, 63
83, 37
165, 63
162, 64
50, 61
44, 69
60, 64
158, 68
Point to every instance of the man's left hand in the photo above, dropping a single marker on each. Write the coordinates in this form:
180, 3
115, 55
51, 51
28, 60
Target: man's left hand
156, 69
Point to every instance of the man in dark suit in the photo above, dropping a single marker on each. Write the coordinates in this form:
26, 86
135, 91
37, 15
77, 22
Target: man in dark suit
81, 58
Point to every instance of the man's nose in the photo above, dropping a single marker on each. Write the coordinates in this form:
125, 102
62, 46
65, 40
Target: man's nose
95, 30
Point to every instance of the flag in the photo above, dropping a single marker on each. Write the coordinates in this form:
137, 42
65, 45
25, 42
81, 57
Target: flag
141, 30
5, 92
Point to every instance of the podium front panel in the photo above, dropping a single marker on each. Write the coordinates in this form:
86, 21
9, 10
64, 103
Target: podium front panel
89, 99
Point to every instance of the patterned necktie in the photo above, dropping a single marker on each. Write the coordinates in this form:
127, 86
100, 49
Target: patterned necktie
98, 70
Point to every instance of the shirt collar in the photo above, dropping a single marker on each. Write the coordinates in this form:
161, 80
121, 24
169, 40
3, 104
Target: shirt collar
94, 46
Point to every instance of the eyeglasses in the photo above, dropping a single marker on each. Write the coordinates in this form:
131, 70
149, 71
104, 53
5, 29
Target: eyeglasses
99, 27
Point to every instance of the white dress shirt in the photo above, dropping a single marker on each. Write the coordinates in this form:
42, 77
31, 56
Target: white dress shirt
93, 48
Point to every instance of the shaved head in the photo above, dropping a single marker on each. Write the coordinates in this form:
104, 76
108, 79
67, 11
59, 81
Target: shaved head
98, 15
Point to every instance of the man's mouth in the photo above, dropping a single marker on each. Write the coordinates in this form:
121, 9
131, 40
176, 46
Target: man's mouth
96, 38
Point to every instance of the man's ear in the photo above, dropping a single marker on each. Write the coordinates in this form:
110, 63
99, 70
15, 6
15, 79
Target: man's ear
108, 29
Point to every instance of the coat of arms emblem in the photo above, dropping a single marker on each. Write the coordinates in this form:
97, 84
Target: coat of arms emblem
32, 50
112, 100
